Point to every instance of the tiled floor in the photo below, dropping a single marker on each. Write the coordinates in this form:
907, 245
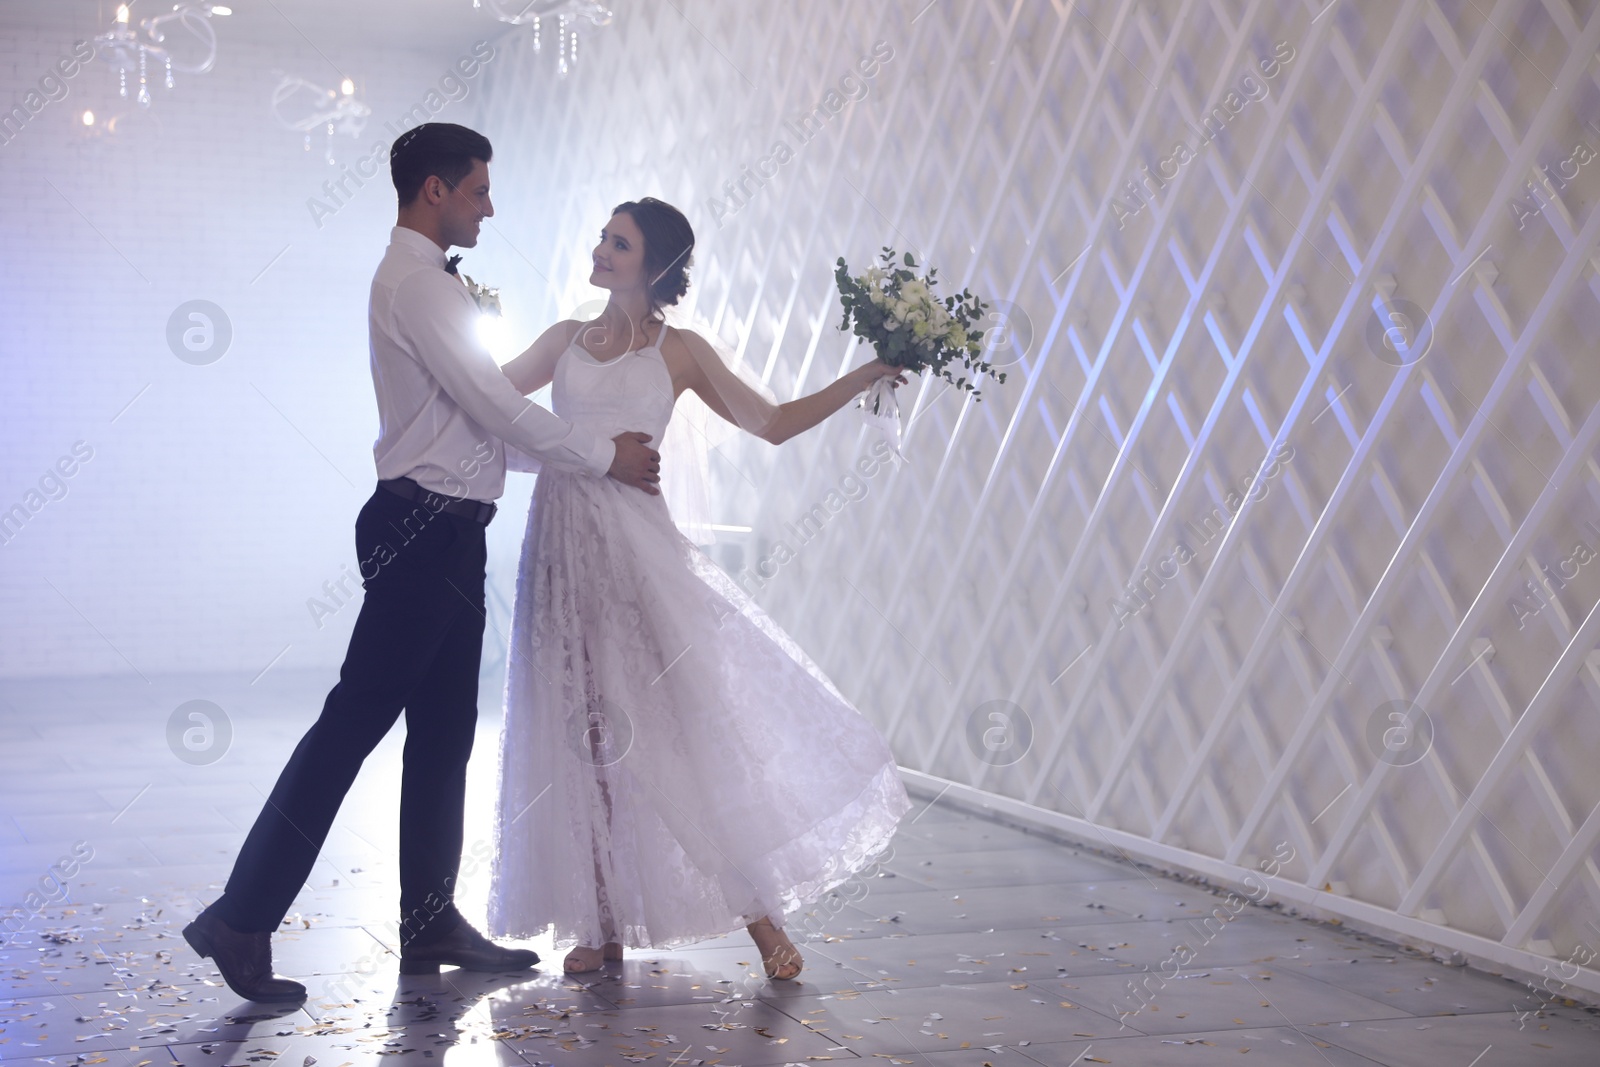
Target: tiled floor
973, 944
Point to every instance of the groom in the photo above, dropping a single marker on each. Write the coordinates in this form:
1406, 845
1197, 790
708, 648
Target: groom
444, 411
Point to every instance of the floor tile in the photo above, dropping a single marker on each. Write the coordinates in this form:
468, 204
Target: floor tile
1218, 998
1556, 1039
1046, 864
1278, 1046
747, 1032
946, 1017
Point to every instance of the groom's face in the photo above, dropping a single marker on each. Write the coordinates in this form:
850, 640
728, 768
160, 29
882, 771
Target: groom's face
466, 206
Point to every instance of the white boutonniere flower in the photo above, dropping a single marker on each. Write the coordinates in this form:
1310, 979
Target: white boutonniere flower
486, 297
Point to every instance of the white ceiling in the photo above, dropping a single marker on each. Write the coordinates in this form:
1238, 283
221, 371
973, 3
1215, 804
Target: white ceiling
442, 26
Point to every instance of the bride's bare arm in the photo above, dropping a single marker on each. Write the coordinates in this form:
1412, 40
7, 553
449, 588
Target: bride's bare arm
712, 381
535, 368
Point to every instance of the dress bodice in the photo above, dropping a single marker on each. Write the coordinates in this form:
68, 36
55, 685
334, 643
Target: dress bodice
632, 391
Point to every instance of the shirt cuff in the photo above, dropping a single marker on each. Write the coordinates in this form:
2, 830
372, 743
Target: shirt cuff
601, 455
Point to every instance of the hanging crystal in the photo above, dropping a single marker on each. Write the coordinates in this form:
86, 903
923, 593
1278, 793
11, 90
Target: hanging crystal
308, 140
328, 151
561, 36
169, 72
538, 44
574, 46
144, 87
122, 82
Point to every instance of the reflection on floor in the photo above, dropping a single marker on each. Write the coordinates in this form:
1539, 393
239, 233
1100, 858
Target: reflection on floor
972, 943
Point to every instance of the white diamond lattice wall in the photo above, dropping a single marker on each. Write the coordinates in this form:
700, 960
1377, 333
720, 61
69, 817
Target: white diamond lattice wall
1282, 533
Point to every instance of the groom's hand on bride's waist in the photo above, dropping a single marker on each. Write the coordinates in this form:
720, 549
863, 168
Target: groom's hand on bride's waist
636, 463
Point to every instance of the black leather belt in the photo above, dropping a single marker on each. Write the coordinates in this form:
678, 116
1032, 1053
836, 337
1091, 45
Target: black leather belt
476, 510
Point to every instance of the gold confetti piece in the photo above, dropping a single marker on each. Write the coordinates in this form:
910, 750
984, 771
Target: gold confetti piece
1239, 1022
1020, 985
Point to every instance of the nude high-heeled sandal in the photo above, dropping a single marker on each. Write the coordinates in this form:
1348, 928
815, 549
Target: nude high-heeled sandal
583, 958
784, 961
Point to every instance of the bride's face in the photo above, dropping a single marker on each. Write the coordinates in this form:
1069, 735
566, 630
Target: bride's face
619, 257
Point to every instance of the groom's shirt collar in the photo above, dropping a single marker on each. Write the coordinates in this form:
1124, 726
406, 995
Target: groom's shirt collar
419, 243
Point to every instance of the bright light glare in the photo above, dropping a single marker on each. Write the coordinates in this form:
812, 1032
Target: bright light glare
496, 337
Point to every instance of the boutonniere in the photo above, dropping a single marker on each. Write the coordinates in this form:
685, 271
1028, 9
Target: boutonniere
486, 297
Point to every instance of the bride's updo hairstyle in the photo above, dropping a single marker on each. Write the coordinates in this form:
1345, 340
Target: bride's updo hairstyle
668, 248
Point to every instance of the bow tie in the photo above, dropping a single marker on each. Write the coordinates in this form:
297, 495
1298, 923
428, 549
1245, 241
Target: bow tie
450, 264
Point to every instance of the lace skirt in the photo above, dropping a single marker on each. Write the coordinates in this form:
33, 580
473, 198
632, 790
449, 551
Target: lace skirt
672, 765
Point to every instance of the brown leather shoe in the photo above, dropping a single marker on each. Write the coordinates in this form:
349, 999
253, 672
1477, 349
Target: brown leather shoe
464, 947
245, 960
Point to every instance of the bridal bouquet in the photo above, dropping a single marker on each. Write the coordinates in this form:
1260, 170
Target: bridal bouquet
897, 312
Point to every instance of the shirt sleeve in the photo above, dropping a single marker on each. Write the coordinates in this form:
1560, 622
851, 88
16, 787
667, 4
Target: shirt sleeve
435, 316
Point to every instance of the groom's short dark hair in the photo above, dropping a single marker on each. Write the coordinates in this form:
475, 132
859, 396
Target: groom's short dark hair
440, 148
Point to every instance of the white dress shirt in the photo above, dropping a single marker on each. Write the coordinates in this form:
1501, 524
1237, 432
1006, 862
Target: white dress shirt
444, 408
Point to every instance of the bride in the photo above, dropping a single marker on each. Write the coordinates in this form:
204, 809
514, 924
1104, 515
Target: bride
672, 764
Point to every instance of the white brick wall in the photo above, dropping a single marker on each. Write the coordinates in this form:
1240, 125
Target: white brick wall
222, 497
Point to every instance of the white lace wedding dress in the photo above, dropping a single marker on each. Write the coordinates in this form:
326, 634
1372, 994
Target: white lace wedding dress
672, 765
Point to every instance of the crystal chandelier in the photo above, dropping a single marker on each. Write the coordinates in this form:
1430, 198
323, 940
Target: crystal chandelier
566, 13
133, 48
302, 105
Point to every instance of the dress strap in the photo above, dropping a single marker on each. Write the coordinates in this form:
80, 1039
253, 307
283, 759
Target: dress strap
660, 336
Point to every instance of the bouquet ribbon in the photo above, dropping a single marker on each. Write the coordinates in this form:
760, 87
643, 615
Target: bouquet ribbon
881, 410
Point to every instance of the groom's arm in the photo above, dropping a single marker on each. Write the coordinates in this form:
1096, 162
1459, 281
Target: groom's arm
535, 368
435, 314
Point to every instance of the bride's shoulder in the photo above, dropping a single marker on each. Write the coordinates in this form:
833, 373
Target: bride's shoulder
683, 340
